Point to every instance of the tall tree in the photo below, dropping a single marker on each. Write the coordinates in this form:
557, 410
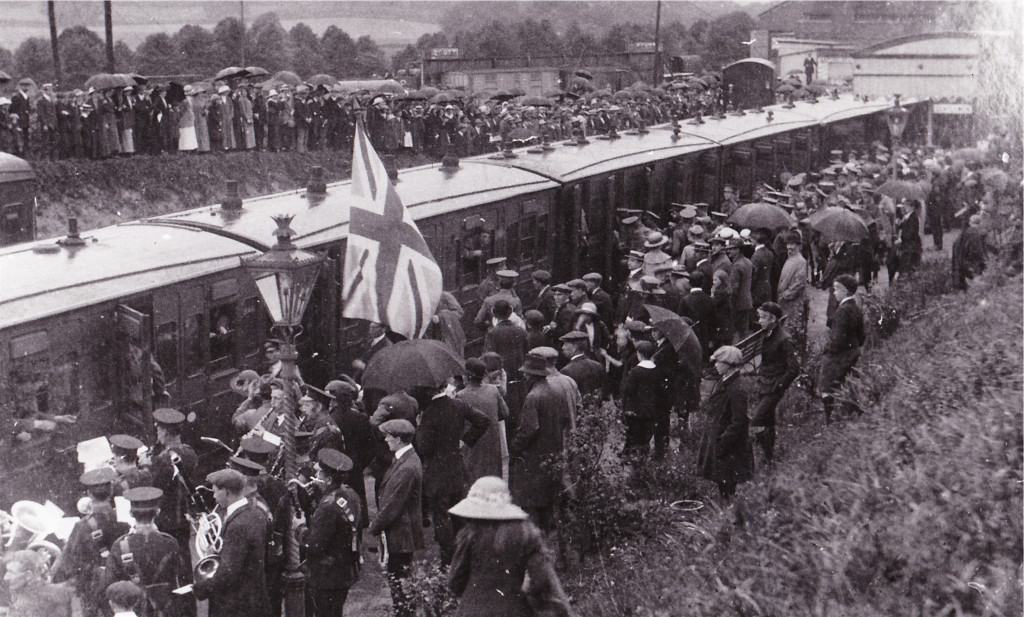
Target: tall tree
33, 59
305, 50
724, 38
338, 50
82, 53
407, 57
229, 35
494, 41
124, 57
370, 60
265, 43
578, 42
538, 38
156, 55
196, 50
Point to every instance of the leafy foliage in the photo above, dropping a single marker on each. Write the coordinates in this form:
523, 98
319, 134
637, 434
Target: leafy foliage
428, 589
82, 53
33, 57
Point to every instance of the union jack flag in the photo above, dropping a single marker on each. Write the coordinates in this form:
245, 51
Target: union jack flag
390, 275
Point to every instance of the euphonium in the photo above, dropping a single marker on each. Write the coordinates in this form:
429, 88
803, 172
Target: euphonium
208, 545
27, 523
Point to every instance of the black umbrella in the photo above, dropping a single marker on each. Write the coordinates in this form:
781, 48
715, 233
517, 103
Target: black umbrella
757, 215
231, 72
408, 364
583, 73
175, 93
502, 95
257, 71
837, 224
106, 81
680, 335
138, 79
4, 77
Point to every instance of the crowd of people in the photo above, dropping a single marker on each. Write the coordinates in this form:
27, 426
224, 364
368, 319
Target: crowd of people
474, 457
239, 115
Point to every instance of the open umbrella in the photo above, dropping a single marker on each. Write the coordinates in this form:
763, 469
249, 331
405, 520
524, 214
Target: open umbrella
603, 92
322, 79
622, 95
408, 364
4, 77
659, 92
517, 91
583, 73
785, 88
412, 95
287, 77
175, 93
758, 215
680, 335
139, 79
429, 91
257, 71
561, 96
639, 85
231, 72
502, 95
581, 84
442, 98
106, 81
837, 224
390, 86
535, 101
902, 189
200, 87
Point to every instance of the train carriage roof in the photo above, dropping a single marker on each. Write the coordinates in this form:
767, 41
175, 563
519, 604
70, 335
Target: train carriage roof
427, 191
41, 278
14, 169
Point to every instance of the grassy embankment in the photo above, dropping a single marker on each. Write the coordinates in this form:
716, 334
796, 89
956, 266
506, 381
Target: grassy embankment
913, 508
110, 191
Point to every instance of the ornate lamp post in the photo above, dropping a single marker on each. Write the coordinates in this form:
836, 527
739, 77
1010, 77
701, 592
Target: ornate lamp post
285, 277
896, 118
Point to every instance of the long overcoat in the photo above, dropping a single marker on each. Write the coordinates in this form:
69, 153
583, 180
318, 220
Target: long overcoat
538, 439
725, 454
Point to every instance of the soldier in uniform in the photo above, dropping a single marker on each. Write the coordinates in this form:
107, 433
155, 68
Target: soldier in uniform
271, 496
490, 283
173, 464
126, 463
331, 544
149, 557
85, 554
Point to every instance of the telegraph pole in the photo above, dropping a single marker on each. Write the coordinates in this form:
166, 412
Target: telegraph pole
108, 23
54, 48
657, 46
241, 9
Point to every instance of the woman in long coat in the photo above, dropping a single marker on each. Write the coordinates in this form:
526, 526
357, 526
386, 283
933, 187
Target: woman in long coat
108, 116
725, 456
201, 111
187, 141
501, 566
243, 110
488, 456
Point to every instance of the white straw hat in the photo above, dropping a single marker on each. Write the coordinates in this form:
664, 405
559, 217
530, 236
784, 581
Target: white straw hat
489, 500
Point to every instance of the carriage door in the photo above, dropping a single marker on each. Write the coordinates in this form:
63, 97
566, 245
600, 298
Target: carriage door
684, 172
135, 373
742, 167
765, 162
709, 172
567, 264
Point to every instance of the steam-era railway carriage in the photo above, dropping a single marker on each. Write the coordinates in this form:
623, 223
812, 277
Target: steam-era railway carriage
83, 320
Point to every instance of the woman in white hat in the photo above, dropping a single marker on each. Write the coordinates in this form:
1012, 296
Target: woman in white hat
187, 141
501, 566
725, 455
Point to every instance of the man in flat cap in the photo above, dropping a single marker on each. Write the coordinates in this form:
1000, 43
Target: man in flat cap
239, 586
83, 560
601, 298
586, 372
331, 543
399, 520
149, 557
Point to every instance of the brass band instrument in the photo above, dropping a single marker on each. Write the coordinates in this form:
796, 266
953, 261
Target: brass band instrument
26, 527
209, 542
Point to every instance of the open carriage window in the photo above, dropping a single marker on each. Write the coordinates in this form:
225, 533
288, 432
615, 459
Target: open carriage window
476, 247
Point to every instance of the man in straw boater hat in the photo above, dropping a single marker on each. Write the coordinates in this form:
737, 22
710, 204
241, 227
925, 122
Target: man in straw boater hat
725, 455
399, 520
149, 557
496, 548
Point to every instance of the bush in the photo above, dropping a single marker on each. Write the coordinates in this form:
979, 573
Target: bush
427, 586
913, 509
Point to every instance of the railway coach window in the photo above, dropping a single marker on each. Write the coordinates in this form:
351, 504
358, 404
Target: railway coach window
222, 336
476, 247
40, 384
194, 339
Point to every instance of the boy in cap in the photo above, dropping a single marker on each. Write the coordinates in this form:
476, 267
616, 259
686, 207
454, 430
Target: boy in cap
148, 557
399, 513
84, 556
331, 543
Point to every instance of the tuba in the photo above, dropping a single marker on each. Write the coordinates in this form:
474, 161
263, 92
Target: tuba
26, 528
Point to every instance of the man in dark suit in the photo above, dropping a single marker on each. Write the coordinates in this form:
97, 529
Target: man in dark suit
445, 424
739, 286
845, 338
779, 367
644, 398
545, 297
149, 557
46, 112
331, 545
21, 107
539, 438
586, 372
239, 585
379, 340
698, 306
761, 263
399, 520
506, 339
601, 298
